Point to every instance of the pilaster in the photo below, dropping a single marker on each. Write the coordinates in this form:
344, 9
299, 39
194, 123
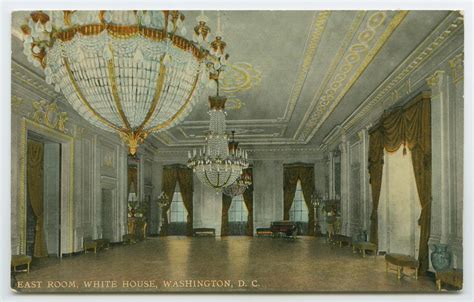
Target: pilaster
364, 177
345, 176
441, 174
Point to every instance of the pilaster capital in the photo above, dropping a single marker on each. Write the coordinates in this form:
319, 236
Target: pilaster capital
436, 79
343, 147
457, 67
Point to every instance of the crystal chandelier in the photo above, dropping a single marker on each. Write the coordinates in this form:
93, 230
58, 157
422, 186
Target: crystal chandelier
218, 164
239, 186
128, 72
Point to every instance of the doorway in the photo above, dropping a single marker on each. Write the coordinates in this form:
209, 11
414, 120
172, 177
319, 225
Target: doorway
43, 202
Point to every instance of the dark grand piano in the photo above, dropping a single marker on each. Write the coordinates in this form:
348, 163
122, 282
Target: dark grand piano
284, 227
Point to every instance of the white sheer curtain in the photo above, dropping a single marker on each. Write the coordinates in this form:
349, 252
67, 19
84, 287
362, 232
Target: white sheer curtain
399, 206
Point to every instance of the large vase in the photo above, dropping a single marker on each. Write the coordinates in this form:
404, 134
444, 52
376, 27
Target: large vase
440, 257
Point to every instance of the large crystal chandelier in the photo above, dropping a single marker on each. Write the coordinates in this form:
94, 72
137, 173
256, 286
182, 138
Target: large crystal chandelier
124, 71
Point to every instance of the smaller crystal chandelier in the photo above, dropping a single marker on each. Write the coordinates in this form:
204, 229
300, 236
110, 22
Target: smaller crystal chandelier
218, 164
241, 184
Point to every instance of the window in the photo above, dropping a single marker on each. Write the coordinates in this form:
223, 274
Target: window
238, 211
399, 205
299, 210
178, 211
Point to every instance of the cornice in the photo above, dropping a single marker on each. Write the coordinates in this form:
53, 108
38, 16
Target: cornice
26, 77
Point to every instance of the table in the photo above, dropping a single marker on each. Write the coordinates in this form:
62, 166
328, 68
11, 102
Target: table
452, 277
401, 261
365, 246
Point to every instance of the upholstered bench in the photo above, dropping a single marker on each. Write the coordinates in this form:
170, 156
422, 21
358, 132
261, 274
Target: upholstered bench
452, 277
18, 260
128, 239
401, 261
88, 244
102, 243
264, 232
338, 238
204, 232
364, 246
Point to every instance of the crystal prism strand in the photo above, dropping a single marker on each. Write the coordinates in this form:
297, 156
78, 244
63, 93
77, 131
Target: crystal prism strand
107, 88
138, 102
149, 93
97, 75
123, 79
171, 101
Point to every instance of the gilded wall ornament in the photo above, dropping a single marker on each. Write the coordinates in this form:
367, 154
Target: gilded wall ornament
46, 113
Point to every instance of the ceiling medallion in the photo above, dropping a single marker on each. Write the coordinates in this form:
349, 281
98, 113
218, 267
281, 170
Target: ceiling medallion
129, 72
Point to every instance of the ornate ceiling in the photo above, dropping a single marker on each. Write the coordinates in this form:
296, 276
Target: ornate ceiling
293, 75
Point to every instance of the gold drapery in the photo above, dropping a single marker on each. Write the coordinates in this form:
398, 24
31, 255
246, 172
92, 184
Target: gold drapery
168, 185
410, 126
173, 174
226, 203
185, 179
35, 182
305, 174
248, 200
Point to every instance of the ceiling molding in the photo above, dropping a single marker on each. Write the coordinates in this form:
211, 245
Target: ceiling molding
319, 26
313, 118
325, 107
332, 69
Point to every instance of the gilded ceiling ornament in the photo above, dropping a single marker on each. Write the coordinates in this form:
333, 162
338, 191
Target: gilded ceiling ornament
240, 77
375, 20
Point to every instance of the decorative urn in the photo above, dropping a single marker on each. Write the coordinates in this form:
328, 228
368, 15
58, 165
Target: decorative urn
440, 256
